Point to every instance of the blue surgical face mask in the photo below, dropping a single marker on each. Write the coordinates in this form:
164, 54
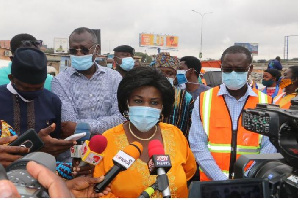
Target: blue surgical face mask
127, 63
234, 80
82, 63
143, 117
181, 77
109, 65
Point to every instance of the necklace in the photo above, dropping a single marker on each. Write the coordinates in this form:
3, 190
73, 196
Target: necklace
144, 139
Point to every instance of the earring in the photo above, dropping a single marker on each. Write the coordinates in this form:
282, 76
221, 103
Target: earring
125, 114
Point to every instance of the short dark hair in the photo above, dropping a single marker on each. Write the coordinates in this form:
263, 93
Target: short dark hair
237, 49
16, 41
192, 62
124, 48
277, 58
294, 70
274, 72
84, 29
146, 76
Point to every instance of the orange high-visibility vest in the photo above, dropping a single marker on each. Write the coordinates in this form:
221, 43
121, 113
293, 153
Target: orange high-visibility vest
217, 125
278, 97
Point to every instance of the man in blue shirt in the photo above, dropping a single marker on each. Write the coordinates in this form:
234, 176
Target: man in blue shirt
22, 40
275, 64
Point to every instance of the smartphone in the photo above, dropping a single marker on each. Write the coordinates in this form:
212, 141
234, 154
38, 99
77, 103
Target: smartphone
29, 139
76, 136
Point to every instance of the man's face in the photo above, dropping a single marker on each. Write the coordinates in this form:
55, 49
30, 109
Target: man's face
83, 44
119, 55
237, 62
169, 72
287, 74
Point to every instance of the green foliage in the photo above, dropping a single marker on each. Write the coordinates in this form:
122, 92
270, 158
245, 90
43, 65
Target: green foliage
145, 57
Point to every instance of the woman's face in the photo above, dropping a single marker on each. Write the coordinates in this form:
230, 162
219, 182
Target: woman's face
147, 96
267, 76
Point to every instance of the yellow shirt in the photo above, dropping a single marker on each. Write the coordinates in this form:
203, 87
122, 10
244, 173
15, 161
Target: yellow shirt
133, 181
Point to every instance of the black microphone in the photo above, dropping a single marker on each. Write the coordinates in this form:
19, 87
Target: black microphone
122, 161
159, 164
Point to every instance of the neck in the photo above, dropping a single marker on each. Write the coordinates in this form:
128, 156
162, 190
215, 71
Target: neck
274, 84
291, 88
90, 72
120, 70
192, 85
141, 134
238, 93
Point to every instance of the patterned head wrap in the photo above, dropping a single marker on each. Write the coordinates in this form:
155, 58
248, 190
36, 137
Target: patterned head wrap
164, 59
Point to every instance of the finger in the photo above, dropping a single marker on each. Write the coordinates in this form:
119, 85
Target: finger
14, 149
48, 130
9, 157
56, 187
6, 140
8, 190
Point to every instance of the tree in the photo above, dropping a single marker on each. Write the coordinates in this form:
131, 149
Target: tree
145, 57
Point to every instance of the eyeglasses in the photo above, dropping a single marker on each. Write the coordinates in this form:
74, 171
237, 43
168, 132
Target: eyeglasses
30, 43
236, 69
83, 50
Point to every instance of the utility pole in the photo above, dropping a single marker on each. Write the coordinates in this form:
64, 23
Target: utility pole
286, 47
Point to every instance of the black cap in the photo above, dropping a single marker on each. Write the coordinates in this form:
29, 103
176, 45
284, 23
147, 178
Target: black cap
124, 48
29, 65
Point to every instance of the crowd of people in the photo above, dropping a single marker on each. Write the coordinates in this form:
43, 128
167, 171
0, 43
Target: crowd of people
200, 127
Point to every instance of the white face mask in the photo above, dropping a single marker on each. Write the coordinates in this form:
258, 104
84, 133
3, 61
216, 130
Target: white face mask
171, 80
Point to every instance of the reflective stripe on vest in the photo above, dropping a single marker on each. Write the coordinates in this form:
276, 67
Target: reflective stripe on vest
206, 106
262, 98
224, 172
226, 148
275, 100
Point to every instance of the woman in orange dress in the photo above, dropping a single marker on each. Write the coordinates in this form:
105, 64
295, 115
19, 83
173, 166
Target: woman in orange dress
144, 95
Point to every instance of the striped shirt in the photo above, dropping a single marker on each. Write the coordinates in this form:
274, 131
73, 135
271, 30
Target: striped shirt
198, 138
93, 101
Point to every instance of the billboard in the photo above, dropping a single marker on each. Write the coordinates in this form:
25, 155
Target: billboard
252, 47
156, 40
60, 45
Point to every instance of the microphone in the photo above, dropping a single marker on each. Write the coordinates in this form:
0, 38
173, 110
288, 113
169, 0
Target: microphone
75, 150
159, 164
91, 151
122, 161
147, 193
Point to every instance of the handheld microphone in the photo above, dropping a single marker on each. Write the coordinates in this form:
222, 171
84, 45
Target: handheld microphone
91, 151
147, 193
76, 149
159, 164
122, 161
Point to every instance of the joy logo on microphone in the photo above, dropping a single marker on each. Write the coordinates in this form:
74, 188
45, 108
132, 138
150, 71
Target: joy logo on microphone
162, 158
123, 159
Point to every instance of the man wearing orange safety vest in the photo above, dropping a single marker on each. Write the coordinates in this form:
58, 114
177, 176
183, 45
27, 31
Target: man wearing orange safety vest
217, 137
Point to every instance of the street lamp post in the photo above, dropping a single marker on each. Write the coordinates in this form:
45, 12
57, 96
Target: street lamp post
202, 16
286, 47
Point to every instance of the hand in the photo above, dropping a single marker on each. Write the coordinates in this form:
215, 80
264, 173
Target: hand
68, 128
83, 187
8, 190
9, 154
52, 145
56, 187
84, 170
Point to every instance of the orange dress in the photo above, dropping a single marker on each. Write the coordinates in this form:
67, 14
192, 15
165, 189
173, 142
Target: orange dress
133, 181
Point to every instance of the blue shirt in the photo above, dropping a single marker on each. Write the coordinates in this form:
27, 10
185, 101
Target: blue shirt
5, 71
93, 101
198, 137
47, 110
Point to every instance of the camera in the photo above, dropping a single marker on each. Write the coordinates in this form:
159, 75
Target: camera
27, 186
281, 169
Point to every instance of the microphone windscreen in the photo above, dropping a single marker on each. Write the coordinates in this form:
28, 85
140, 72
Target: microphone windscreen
155, 147
135, 150
83, 127
98, 144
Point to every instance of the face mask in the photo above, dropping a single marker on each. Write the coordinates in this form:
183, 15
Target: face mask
28, 95
82, 63
109, 65
143, 118
171, 80
285, 82
234, 80
267, 83
182, 86
181, 78
127, 63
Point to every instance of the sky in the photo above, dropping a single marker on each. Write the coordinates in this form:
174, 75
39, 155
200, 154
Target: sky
265, 22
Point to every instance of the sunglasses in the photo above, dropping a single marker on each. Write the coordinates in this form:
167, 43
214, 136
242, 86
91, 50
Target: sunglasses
236, 69
83, 50
30, 43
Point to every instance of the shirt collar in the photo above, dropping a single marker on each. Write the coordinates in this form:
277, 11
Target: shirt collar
223, 91
13, 91
72, 70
